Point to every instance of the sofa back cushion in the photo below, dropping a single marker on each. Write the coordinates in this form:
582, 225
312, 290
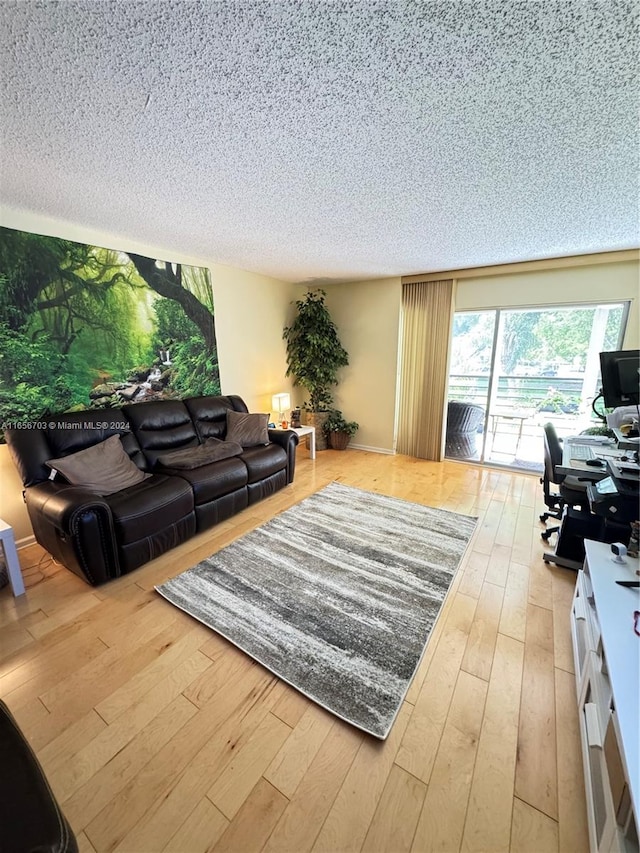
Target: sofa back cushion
209, 414
146, 431
67, 433
161, 426
74, 431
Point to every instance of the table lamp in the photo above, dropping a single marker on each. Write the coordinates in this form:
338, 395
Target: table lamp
281, 402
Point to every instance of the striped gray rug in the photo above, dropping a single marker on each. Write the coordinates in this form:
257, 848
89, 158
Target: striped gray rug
337, 596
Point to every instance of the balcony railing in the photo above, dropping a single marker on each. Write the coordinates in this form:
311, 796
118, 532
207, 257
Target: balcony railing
517, 392
537, 399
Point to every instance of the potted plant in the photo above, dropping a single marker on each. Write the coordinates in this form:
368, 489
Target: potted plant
339, 431
314, 356
553, 401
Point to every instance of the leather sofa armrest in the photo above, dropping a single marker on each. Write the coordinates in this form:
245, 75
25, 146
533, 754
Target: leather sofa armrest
288, 440
76, 527
284, 437
60, 503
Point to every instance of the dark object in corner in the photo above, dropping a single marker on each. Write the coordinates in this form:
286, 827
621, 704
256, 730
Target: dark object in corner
30, 816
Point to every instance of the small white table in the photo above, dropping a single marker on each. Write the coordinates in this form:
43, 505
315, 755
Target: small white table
11, 558
521, 417
305, 430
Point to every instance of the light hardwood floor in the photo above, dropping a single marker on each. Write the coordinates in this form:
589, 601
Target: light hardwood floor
156, 734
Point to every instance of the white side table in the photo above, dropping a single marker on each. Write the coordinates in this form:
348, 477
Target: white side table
311, 432
305, 430
11, 557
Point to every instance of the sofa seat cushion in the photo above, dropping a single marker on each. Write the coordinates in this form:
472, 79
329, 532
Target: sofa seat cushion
262, 462
146, 509
214, 480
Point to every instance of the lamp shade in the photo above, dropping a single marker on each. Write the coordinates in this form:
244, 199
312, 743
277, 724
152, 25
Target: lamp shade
280, 402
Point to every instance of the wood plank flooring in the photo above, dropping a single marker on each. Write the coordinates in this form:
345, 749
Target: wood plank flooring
158, 735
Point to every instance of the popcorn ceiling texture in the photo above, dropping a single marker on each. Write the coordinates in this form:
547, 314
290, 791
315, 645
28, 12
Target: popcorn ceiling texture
327, 140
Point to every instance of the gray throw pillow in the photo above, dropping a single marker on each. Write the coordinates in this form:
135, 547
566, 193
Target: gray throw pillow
213, 450
104, 468
249, 430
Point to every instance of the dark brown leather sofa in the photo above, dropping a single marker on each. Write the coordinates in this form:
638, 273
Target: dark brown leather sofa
100, 537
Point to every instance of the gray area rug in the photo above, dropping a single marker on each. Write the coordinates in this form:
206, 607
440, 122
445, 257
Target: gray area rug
337, 596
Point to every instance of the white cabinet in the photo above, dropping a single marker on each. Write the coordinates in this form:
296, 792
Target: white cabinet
607, 663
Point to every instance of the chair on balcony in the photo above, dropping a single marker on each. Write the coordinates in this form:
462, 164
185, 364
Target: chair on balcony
464, 421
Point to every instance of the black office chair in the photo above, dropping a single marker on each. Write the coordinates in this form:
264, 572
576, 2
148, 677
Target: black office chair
572, 491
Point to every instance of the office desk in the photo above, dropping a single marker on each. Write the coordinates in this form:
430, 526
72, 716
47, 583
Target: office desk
578, 467
625, 443
600, 524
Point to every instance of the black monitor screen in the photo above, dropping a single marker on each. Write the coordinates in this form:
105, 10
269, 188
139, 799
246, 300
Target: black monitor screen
620, 377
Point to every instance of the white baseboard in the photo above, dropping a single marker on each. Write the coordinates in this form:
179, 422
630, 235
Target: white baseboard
25, 542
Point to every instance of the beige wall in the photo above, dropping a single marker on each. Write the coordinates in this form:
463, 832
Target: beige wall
367, 314
250, 310
608, 282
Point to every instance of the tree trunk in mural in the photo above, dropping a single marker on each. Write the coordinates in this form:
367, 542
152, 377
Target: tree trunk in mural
169, 284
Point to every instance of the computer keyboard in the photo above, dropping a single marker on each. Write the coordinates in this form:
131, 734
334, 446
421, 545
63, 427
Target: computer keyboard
582, 452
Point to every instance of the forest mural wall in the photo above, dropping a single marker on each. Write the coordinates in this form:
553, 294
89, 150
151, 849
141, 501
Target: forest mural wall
86, 327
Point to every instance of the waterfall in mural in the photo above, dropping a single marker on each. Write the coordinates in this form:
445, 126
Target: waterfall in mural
87, 327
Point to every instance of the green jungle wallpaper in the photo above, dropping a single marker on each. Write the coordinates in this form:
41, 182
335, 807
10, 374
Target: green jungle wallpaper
86, 327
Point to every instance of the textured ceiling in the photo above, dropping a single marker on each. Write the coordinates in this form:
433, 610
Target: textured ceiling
328, 140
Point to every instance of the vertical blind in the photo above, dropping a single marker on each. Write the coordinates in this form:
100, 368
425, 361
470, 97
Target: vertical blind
427, 308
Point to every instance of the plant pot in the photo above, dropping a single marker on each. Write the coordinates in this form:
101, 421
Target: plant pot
339, 440
317, 419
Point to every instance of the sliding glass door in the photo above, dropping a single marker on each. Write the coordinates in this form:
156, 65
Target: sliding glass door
513, 370
473, 344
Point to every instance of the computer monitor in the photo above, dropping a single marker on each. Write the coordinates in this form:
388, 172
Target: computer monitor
620, 373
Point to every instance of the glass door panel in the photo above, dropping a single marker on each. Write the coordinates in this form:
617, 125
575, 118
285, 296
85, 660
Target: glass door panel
524, 367
469, 380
